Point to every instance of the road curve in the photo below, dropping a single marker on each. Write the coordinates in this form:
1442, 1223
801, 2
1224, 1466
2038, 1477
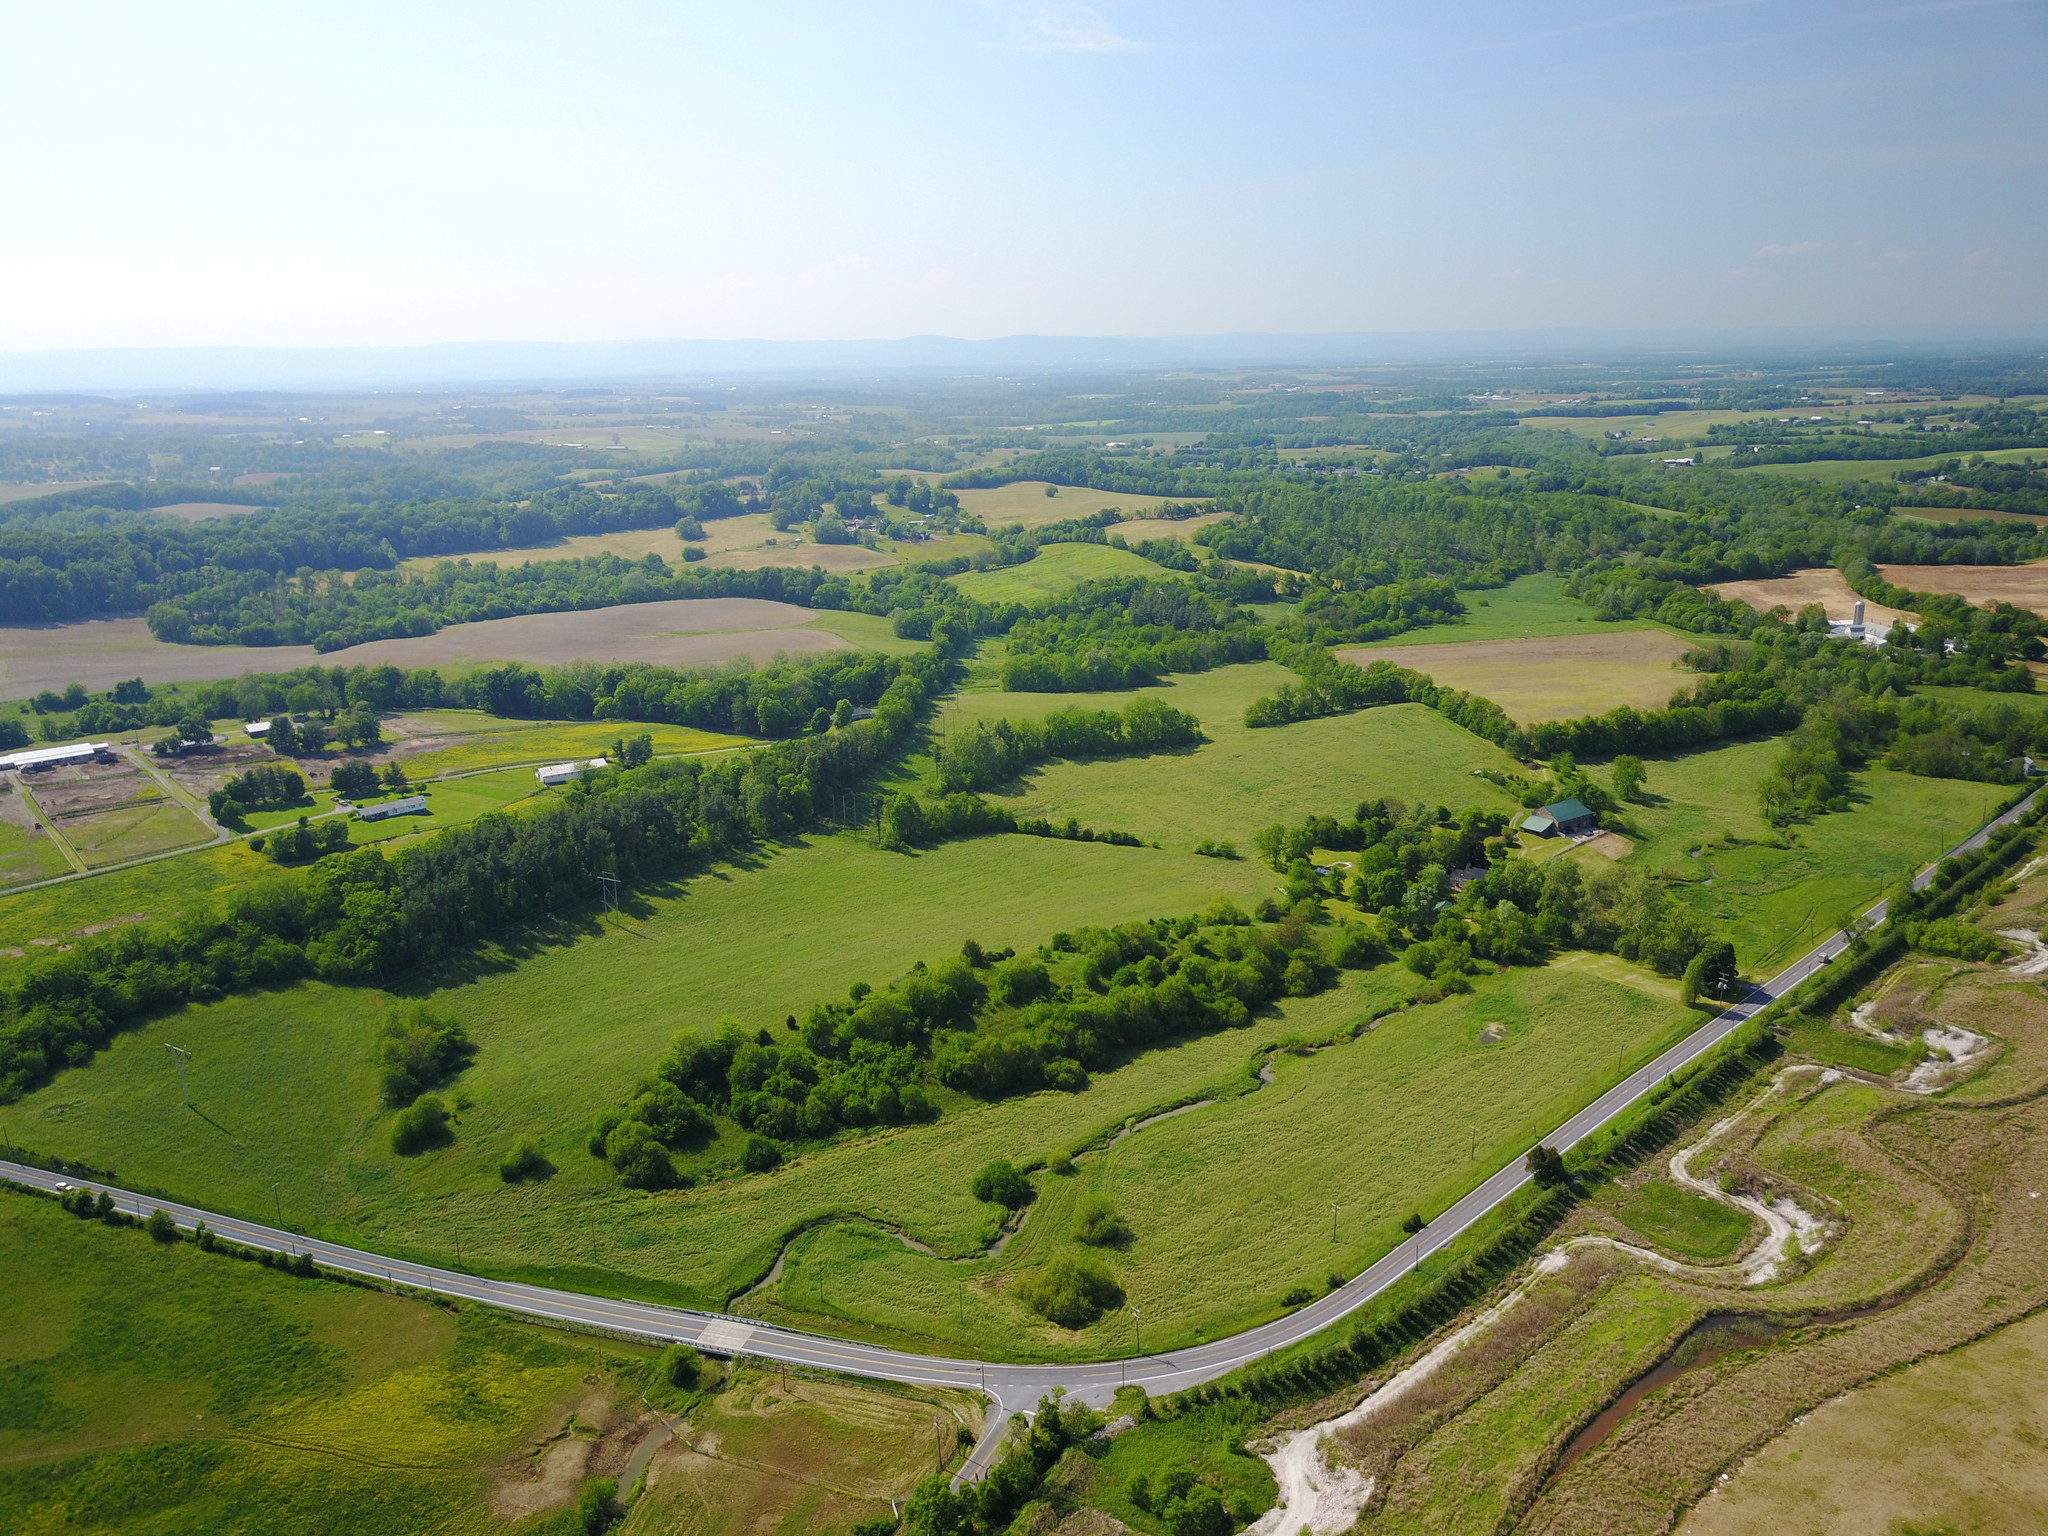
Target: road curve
1012, 1387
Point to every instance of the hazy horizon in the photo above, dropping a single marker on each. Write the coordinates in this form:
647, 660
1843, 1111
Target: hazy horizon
236, 175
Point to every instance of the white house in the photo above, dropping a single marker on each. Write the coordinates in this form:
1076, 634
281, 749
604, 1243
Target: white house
562, 773
407, 805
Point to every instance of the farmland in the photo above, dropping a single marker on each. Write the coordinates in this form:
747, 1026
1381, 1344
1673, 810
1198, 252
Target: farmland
1824, 586
683, 632
2024, 586
188, 1389
1536, 680
1531, 607
1027, 502
1055, 568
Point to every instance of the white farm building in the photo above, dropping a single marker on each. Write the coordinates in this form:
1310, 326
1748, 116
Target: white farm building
562, 773
55, 757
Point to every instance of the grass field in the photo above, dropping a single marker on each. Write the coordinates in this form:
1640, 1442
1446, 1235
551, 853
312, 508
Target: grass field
1774, 902
1882, 469
1552, 679
132, 831
551, 743
164, 1389
1241, 779
1962, 515
1528, 608
27, 852
1052, 570
1686, 1223
1977, 1425
780, 1453
1025, 501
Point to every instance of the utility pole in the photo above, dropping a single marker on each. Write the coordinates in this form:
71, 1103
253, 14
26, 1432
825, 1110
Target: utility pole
1333, 1221
181, 1056
277, 1202
1138, 1328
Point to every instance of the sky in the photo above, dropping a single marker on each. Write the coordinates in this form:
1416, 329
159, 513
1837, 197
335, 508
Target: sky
372, 174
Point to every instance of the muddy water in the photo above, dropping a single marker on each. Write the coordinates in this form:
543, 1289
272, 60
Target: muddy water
1715, 1335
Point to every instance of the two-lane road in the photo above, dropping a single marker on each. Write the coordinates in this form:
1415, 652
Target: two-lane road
1013, 1387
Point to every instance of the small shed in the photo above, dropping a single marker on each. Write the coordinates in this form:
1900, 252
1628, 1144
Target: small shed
1565, 818
257, 728
405, 805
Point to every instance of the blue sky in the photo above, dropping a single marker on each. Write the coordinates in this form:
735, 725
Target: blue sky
368, 173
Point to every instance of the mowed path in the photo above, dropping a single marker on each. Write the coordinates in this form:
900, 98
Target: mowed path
1550, 679
682, 632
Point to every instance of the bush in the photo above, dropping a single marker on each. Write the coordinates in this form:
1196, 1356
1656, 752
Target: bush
597, 1507
1001, 1183
760, 1154
1072, 1291
161, 1227
420, 1127
1211, 848
1099, 1223
679, 1366
1953, 937
419, 1049
640, 1160
525, 1161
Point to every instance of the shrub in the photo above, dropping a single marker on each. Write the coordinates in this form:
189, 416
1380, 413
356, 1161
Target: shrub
601, 1128
1099, 1223
1211, 848
421, 1126
1301, 1295
1954, 937
1072, 1291
640, 1160
1001, 1183
419, 1049
1546, 1167
597, 1507
525, 1161
760, 1154
161, 1227
679, 1366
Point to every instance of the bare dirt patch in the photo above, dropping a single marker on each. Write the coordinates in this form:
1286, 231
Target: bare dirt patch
1823, 585
682, 632
590, 1437
2024, 586
1554, 679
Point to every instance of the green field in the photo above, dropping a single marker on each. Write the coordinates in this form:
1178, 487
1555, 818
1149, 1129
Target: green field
168, 1390
554, 743
1026, 502
1684, 1222
132, 832
1241, 779
1527, 608
27, 853
1774, 902
284, 1089
1052, 570
1883, 469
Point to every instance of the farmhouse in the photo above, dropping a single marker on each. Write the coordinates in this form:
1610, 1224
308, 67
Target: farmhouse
562, 773
407, 805
1566, 817
57, 757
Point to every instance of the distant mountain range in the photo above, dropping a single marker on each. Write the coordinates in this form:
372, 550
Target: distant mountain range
559, 363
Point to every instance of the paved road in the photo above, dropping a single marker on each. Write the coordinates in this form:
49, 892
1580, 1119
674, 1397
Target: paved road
1013, 1387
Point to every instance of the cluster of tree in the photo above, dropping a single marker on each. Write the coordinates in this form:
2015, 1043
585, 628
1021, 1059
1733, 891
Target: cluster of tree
368, 914
1126, 633
418, 1049
910, 820
1976, 430
1992, 487
1327, 616
266, 787
987, 1508
303, 842
984, 754
1925, 736
69, 563
355, 779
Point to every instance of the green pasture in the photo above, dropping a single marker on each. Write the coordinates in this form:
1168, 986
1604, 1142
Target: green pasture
1528, 608
1052, 570
27, 854
1883, 469
1774, 902
553, 743
1242, 779
159, 1388
1683, 1221
132, 831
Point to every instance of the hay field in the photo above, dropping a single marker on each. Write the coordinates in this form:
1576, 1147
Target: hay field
1025, 501
2024, 586
131, 831
1822, 584
1963, 515
1882, 469
1557, 679
678, 633
1137, 528
24, 492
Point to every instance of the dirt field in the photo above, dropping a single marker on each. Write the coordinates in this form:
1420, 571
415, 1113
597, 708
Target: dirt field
2024, 586
1823, 585
1556, 679
20, 492
688, 632
1025, 502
